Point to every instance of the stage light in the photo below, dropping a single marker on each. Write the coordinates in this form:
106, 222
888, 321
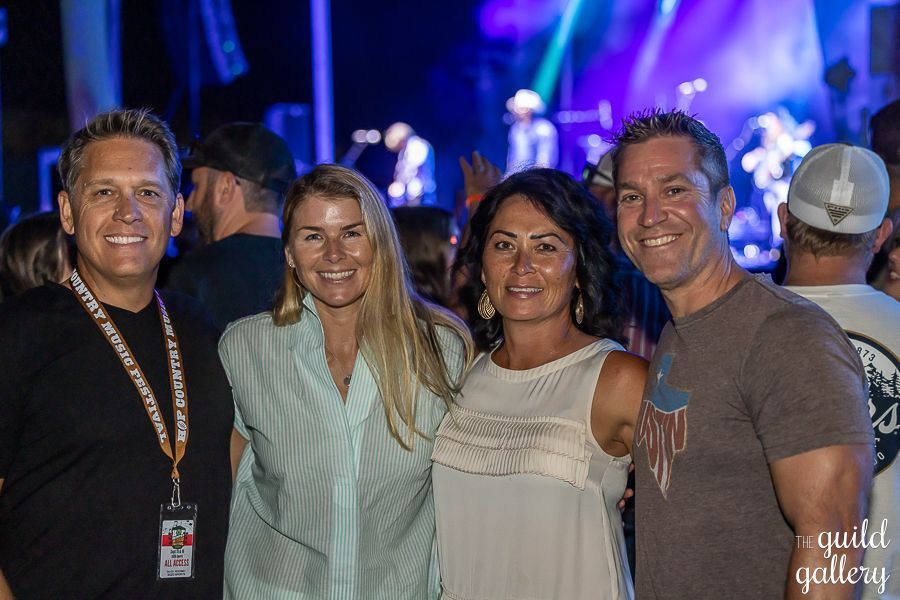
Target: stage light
802, 147
749, 162
414, 188
666, 7
359, 136
396, 190
751, 250
700, 84
604, 114
373, 136
785, 143
686, 88
416, 152
594, 140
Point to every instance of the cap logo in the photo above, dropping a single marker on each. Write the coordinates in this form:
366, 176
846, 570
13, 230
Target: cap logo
836, 212
841, 191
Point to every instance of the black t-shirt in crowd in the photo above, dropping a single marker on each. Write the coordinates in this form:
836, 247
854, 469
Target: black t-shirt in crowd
84, 473
234, 277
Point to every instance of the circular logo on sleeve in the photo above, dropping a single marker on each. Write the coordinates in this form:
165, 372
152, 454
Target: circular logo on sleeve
883, 371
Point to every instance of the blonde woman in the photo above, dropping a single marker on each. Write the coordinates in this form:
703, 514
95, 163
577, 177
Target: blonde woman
338, 393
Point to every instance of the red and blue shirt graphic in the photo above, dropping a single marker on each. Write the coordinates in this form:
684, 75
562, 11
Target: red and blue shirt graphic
662, 424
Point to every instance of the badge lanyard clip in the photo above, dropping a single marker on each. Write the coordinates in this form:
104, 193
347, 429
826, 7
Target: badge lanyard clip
176, 492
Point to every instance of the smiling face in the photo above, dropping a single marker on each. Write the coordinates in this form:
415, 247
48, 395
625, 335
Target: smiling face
670, 225
331, 251
121, 212
528, 265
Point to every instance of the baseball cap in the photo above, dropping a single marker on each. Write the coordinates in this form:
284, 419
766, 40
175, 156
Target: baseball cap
840, 188
601, 173
248, 150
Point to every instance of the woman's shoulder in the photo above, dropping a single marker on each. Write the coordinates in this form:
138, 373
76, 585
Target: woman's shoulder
248, 328
623, 373
621, 364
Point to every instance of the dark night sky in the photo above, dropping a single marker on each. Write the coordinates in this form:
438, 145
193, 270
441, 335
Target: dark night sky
403, 59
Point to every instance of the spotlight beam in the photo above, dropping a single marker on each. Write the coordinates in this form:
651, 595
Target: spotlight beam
548, 71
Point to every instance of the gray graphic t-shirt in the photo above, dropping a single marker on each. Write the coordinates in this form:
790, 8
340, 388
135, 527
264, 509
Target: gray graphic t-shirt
758, 375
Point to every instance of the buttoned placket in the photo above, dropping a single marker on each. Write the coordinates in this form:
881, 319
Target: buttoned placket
350, 417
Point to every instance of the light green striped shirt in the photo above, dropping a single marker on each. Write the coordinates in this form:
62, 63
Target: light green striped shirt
326, 503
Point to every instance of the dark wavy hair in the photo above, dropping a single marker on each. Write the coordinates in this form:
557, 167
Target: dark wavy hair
571, 207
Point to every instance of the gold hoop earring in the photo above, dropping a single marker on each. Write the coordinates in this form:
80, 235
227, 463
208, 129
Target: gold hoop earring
485, 308
579, 309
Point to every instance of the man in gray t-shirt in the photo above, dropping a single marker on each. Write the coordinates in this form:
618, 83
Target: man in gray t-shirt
754, 427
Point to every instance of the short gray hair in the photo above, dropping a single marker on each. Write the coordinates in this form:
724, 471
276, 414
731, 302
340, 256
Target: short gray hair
120, 123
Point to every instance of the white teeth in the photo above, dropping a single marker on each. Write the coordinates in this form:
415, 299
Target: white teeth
123, 239
336, 276
528, 290
660, 241
895, 275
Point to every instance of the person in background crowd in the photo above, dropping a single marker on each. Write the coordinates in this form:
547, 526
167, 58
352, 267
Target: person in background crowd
533, 141
429, 237
753, 428
885, 135
115, 414
645, 310
478, 177
339, 392
892, 282
831, 232
533, 458
884, 131
32, 252
240, 174
414, 183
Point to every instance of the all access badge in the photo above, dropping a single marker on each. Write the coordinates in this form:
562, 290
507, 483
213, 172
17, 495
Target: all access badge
177, 542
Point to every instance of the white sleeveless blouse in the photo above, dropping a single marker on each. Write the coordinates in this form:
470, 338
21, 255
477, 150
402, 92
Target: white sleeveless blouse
525, 498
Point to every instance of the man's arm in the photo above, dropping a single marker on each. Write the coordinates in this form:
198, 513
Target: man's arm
820, 491
238, 443
5, 592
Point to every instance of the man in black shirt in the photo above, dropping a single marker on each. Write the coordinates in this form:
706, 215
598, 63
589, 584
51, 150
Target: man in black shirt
115, 414
240, 175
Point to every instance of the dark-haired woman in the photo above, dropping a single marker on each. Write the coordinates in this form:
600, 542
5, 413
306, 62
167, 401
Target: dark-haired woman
33, 252
533, 458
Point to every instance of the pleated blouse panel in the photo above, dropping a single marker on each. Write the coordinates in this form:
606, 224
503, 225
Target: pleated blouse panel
525, 497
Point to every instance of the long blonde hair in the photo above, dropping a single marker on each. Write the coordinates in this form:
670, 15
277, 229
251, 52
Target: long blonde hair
396, 330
